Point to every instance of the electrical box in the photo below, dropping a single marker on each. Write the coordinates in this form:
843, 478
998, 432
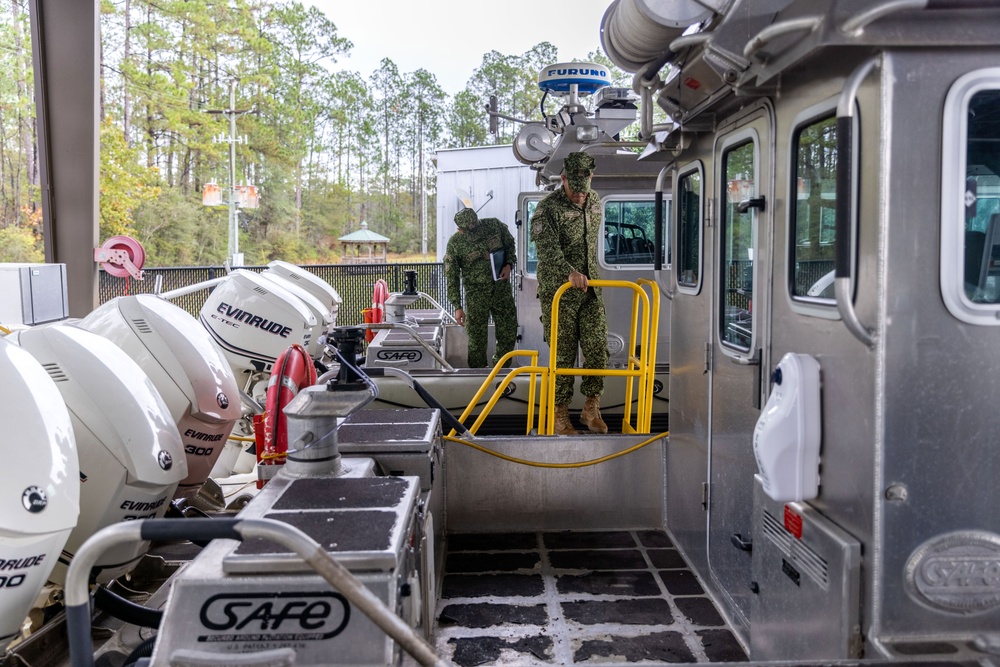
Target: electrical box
33, 293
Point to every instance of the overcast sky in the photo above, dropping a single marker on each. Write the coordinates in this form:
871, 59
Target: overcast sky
449, 37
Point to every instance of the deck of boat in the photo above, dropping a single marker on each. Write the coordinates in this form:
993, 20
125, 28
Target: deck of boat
564, 598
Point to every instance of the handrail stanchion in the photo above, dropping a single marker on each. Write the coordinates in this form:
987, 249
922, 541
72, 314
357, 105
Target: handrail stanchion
629, 358
532, 378
654, 334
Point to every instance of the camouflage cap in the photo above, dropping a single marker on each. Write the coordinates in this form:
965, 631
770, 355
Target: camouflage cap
578, 161
466, 218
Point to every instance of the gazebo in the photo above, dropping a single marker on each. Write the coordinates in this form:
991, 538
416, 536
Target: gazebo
364, 246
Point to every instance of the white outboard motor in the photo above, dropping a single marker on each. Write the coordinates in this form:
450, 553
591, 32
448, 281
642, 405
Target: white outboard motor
191, 374
309, 281
131, 457
254, 320
324, 320
39, 487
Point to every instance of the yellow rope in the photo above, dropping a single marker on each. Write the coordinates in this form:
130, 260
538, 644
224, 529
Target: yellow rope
238, 438
4, 329
268, 457
539, 464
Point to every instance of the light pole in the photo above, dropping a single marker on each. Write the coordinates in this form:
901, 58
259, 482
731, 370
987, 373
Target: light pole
233, 254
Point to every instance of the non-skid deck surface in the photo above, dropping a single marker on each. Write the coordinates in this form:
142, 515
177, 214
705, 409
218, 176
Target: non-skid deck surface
576, 598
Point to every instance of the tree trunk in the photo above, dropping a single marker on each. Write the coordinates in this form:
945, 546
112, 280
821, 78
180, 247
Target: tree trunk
126, 54
23, 115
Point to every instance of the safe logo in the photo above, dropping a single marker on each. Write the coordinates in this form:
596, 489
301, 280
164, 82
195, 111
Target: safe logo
399, 355
261, 617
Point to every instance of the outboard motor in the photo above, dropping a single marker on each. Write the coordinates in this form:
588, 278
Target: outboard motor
191, 374
131, 457
310, 282
324, 320
254, 320
39, 488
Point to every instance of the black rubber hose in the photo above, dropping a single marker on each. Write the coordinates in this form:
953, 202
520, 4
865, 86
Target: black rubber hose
449, 419
143, 650
126, 610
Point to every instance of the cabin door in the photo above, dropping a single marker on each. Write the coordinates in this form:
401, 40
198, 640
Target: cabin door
742, 256
529, 311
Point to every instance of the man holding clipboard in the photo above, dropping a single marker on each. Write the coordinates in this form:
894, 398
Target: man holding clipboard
480, 255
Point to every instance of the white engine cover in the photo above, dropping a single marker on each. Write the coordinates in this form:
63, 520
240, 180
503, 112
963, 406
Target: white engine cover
39, 488
254, 321
131, 457
787, 436
188, 370
315, 285
324, 319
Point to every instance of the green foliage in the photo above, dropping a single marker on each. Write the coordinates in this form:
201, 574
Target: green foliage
19, 244
124, 183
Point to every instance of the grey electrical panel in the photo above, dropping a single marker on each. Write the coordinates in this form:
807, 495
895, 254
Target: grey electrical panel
32, 293
806, 583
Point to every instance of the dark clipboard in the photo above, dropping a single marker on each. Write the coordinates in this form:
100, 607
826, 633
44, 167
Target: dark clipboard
498, 259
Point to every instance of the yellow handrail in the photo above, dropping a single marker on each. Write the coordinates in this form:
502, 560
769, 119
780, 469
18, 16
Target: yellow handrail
642, 366
637, 366
533, 369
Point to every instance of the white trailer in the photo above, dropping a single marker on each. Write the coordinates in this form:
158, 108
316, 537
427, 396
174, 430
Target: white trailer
466, 176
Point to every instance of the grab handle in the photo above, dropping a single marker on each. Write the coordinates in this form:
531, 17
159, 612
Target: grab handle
844, 209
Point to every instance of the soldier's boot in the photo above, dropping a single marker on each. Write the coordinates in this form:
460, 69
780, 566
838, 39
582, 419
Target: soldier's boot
591, 415
563, 425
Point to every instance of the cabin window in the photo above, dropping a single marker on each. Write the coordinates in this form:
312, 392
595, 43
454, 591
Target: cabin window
630, 232
689, 203
815, 201
970, 241
981, 261
737, 234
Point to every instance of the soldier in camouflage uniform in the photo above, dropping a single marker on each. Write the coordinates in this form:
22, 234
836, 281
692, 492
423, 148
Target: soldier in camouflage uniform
565, 228
467, 260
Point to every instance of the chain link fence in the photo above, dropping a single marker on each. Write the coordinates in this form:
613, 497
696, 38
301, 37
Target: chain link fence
353, 282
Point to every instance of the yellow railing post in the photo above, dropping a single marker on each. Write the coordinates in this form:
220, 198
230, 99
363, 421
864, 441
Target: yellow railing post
653, 338
642, 367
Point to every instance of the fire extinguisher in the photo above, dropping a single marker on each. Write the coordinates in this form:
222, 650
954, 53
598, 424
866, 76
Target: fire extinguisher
293, 371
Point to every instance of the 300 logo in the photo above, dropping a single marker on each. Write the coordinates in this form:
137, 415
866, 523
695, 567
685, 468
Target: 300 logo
198, 451
278, 616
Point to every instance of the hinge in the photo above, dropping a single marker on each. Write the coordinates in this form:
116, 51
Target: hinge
709, 212
708, 358
704, 495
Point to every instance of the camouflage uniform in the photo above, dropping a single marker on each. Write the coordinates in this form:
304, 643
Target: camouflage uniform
565, 235
467, 261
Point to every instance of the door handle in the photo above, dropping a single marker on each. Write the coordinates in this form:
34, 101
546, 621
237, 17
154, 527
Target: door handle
742, 543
